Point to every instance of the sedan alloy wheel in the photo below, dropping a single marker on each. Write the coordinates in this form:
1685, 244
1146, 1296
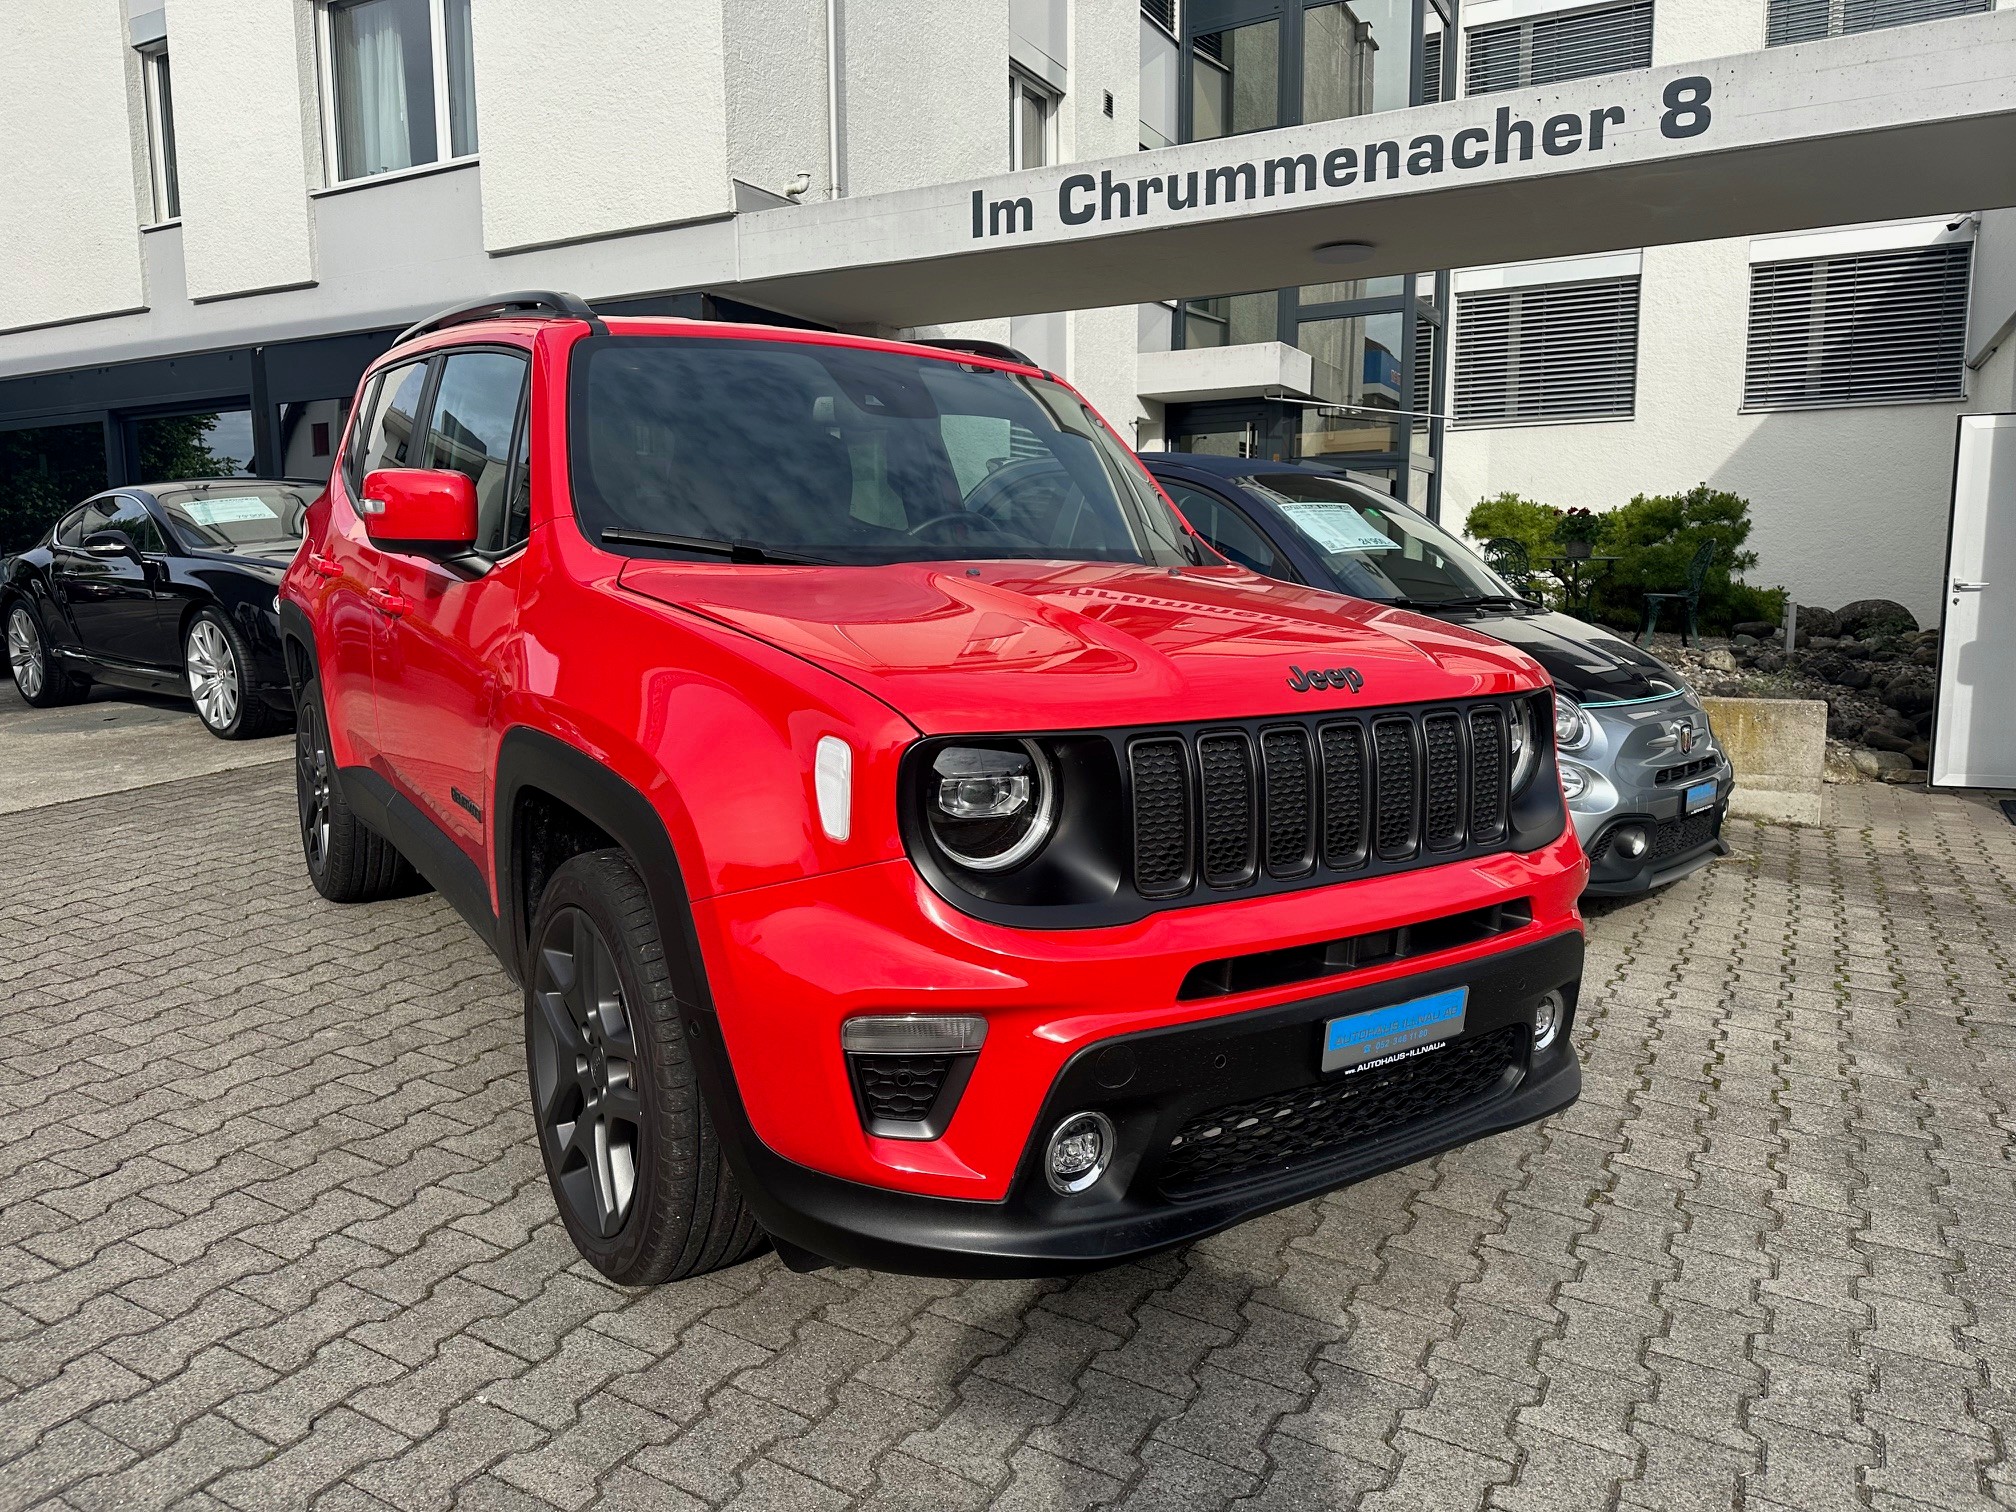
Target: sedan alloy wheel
213, 674
24, 652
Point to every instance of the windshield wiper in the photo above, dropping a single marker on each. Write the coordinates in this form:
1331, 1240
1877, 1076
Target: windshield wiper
735, 551
1471, 601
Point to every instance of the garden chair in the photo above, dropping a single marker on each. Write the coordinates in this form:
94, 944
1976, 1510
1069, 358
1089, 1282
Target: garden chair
1509, 560
1697, 574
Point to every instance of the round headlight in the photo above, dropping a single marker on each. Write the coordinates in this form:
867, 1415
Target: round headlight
1571, 725
1574, 780
1526, 745
990, 807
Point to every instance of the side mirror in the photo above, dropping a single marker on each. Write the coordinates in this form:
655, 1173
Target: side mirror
113, 543
420, 511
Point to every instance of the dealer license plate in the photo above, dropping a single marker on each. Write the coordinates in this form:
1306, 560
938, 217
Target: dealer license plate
1700, 796
1359, 1040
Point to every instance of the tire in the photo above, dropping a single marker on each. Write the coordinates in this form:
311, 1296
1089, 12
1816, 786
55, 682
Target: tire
347, 861
632, 1157
216, 665
41, 680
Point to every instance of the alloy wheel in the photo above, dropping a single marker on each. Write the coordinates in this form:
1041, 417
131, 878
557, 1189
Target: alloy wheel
311, 786
24, 652
213, 675
586, 1074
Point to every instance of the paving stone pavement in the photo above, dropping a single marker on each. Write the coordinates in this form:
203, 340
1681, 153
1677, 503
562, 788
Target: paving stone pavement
273, 1233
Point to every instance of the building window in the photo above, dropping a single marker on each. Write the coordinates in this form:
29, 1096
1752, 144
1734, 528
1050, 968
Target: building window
1558, 352
1547, 49
161, 133
400, 84
1235, 81
1032, 122
1874, 328
1803, 20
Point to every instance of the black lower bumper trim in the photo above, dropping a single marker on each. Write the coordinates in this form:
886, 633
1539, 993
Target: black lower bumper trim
1173, 1075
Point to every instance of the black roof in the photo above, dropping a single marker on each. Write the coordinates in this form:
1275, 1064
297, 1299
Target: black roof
1229, 467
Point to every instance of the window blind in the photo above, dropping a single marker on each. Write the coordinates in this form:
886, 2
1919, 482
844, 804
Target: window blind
1424, 369
1431, 68
1803, 20
1547, 49
1560, 352
1161, 12
1876, 328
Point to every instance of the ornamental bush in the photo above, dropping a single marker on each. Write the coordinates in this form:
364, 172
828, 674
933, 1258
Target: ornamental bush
1654, 538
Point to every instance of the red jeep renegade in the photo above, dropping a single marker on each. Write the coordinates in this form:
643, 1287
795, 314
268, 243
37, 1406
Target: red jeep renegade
916, 848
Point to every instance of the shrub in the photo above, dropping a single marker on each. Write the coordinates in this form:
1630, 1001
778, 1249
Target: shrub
1654, 539
1516, 519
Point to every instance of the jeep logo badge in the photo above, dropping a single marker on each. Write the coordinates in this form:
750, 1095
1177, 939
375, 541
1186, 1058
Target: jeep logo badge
1325, 677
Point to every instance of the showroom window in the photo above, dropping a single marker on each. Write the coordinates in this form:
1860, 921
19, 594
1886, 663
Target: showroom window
1032, 122
160, 102
1803, 20
1557, 352
1547, 49
1873, 328
399, 84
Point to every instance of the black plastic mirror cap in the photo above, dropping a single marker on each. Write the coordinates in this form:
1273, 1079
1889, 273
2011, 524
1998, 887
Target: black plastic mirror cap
1539, 813
1082, 863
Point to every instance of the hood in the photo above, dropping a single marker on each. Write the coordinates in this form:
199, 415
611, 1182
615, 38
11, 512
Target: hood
958, 647
1584, 660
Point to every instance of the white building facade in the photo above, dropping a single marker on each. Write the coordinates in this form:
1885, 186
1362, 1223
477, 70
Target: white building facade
221, 210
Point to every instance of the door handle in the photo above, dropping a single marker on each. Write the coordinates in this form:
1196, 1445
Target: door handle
323, 566
1960, 587
392, 604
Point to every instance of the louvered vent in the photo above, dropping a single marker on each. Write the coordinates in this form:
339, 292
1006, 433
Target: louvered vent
1424, 369
1548, 49
1225, 770
1442, 750
1875, 328
1487, 774
1343, 795
1291, 802
1804, 20
1558, 352
1393, 778
1161, 12
1431, 68
1161, 816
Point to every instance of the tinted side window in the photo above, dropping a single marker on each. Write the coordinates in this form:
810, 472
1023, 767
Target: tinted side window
359, 434
71, 531
475, 412
131, 516
1230, 532
393, 428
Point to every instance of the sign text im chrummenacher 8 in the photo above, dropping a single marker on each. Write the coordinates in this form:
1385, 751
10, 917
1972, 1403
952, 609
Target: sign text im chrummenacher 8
1083, 199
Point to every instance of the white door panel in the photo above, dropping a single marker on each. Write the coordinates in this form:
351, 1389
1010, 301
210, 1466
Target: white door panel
1974, 735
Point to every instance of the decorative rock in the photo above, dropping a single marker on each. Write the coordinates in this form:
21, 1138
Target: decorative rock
1716, 659
1814, 621
1883, 615
1761, 629
1908, 695
1901, 778
1877, 763
1770, 661
1819, 642
1883, 740
1742, 640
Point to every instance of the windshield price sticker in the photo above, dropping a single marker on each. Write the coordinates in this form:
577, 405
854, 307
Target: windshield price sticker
1337, 527
228, 511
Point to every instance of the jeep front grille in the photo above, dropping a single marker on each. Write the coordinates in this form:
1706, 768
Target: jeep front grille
1230, 807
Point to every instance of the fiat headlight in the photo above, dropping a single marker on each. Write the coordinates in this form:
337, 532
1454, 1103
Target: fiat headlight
990, 806
1571, 725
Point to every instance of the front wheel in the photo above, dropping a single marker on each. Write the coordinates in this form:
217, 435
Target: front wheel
635, 1166
347, 861
217, 665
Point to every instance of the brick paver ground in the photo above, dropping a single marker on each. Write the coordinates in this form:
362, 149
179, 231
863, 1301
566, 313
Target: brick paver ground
273, 1233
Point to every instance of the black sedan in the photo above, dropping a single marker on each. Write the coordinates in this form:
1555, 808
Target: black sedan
168, 588
1644, 781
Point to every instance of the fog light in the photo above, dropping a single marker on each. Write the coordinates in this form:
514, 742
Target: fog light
913, 1034
1079, 1149
1630, 841
1547, 1019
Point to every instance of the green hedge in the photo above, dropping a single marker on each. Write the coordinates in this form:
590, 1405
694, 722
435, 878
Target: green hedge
1654, 538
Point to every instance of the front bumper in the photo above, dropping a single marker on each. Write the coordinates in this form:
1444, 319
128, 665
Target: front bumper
1158, 1082
1626, 757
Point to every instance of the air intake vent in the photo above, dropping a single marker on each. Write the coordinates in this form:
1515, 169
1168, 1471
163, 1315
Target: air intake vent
1225, 768
1343, 795
1487, 774
1442, 740
1291, 802
1162, 826
1393, 778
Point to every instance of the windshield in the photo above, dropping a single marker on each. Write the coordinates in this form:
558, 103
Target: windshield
1378, 548
261, 519
839, 454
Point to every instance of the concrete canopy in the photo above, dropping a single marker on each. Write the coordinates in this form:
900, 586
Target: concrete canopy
1882, 125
